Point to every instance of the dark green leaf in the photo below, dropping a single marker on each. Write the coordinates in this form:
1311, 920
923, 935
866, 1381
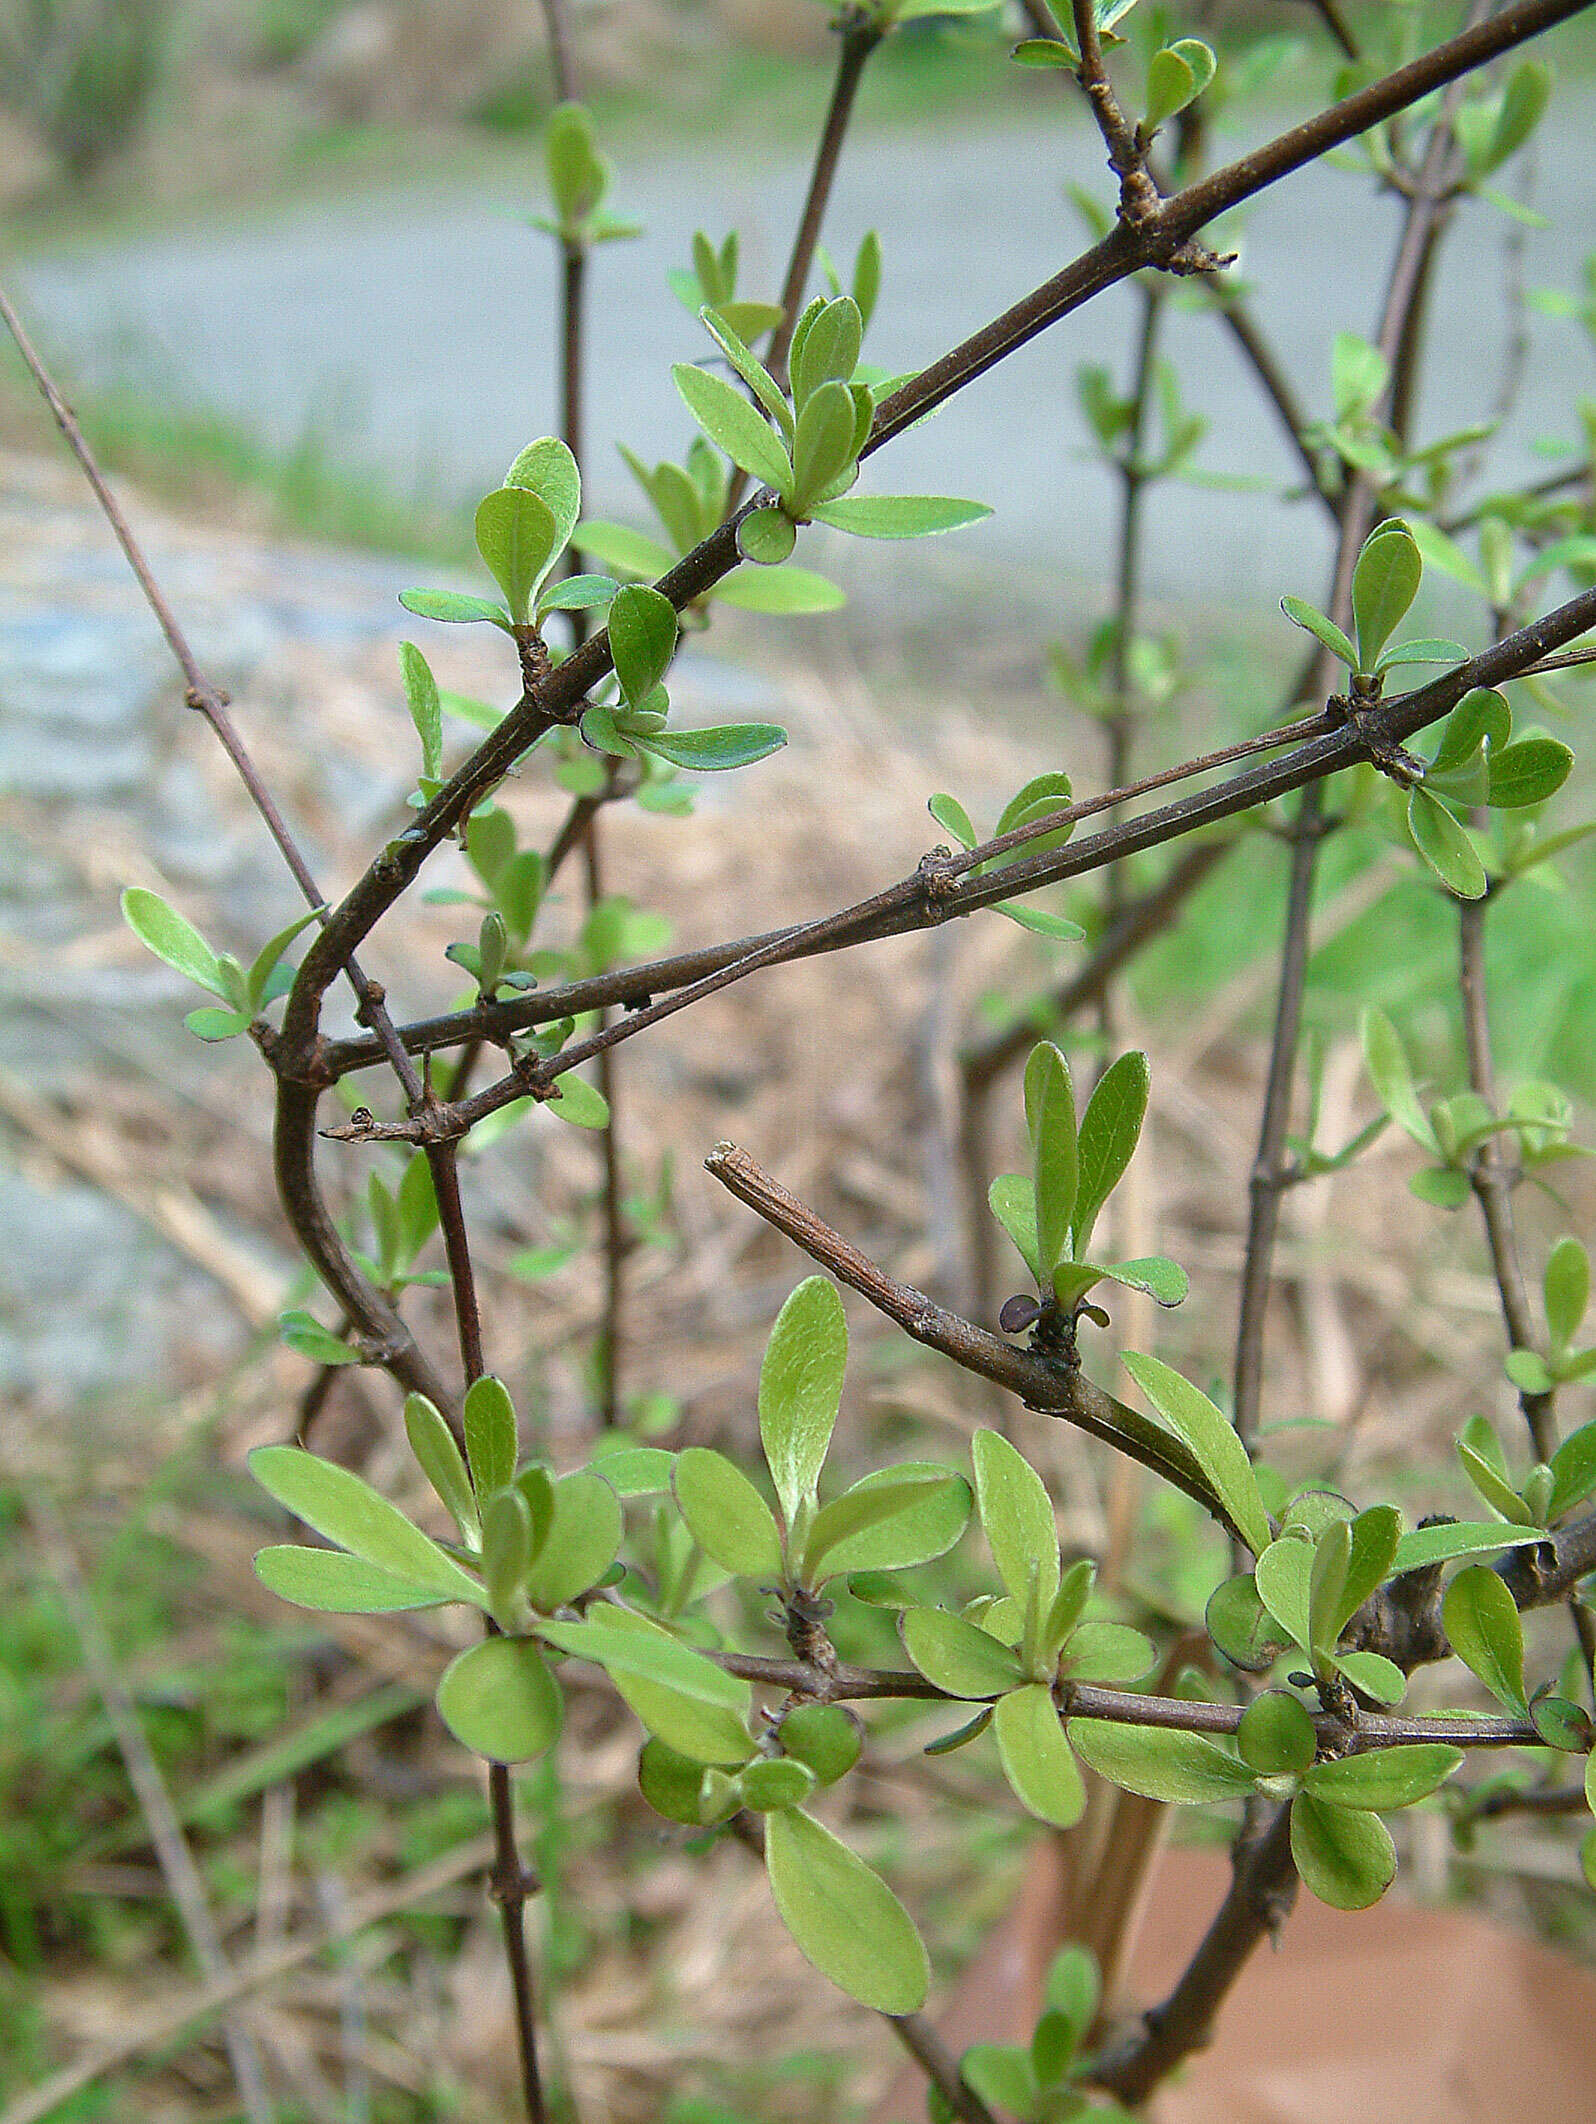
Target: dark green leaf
717, 750
1483, 1627
1346, 1857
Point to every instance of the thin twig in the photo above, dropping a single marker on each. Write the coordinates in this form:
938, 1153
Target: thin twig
939, 2065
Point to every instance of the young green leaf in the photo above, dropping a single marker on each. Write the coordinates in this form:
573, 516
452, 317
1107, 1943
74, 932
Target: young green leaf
751, 369
825, 1738
583, 1536
1107, 1652
173, 939
582, 1104
823, 449
1242, 1628
726, 1515
642, 628
888, 1521
438, 1457
958, 1656
1346, 1857
682, 1698
1110, 1128
1050, 1118
800, 1389
334, 1583
426, 712
1036, 1758
492, 1443
1573, 1468
1302, 614
270, 955
1445, 845
1528, 773
1384, 1777
1016, 1517
844, 1918
1012, 1200
1284, 1577
519, 542
1385, 582
793, 591
717, 750
1427, 1546
1483, 1627
770, 1786
454, 608
1276, 1736
1567, 1290
898, 515
547, 468
1158, 1762
734, 426
500, 1700
1212, 1440
302, 1332
767, 537
343, 1508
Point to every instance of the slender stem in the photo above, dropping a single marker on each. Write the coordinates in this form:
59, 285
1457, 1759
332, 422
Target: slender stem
1410, 271
939, 2065
511, 1886
859, 37
1257, 1904
1042, 1383
559, 51
617, 1239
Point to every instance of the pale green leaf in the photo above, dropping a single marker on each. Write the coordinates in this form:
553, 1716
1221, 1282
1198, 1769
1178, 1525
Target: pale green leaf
844, 1918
